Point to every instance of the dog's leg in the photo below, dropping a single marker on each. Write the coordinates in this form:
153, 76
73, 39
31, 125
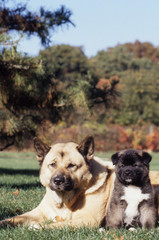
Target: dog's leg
78, 222
19, 220
29, 219
148, 216
114, 217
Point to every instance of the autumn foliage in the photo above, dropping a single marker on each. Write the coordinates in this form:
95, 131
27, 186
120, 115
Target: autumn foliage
111, 137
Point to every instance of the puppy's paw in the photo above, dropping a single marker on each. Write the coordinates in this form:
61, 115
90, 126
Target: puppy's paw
132, 229
101, 230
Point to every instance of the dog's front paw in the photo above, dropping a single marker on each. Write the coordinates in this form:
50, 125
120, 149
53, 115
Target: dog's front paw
132, 229
6, 223
34, 226
101, 229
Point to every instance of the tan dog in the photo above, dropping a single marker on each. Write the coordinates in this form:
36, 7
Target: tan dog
77, 186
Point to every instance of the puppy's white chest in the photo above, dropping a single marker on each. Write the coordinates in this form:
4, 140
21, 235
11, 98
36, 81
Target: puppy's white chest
133, 196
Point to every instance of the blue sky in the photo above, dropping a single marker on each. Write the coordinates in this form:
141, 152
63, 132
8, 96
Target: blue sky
101, 24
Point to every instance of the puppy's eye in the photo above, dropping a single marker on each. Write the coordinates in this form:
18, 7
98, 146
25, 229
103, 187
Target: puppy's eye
53, 164
135, 165
122, 165
71, 165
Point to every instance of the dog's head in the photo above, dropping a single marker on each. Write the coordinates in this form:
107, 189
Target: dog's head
65, 166
131, 166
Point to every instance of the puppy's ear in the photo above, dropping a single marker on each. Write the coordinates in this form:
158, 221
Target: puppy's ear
86, 148
41, 149
115, 158
146, 158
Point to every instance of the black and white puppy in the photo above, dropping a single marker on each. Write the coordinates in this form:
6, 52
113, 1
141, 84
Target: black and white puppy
132, 202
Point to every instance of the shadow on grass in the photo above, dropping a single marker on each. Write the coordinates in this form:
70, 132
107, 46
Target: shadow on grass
19, 171
7, 213
33, 183
23, 186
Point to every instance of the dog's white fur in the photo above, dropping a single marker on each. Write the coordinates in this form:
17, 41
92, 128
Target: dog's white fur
133, 197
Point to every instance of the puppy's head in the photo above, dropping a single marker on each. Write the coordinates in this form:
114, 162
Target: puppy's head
131, 166
65, 166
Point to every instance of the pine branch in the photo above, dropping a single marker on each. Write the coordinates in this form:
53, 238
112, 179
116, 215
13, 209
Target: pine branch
21, 19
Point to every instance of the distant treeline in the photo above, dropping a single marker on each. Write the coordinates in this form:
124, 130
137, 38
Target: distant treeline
132, 66
120, 85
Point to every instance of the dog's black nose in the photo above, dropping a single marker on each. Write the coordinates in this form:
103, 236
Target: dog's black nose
58, 180
128, 173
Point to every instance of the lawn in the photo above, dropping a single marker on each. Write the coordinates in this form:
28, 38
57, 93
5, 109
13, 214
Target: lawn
20, 191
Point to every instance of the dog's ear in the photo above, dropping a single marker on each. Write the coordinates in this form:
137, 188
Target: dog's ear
146, 158
41, 149
115, 158
86, 148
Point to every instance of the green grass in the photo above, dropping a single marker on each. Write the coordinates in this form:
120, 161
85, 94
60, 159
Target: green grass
19, 172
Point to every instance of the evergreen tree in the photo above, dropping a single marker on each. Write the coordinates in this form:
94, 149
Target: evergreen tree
27, 94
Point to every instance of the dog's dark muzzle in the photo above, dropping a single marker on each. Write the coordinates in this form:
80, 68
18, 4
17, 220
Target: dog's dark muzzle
128, 174
61, 183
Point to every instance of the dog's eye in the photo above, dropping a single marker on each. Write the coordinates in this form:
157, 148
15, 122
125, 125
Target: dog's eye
71, 165
122, 165
53, 164
135, 165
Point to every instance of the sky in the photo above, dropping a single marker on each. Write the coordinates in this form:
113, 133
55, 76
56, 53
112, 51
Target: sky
100, 24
